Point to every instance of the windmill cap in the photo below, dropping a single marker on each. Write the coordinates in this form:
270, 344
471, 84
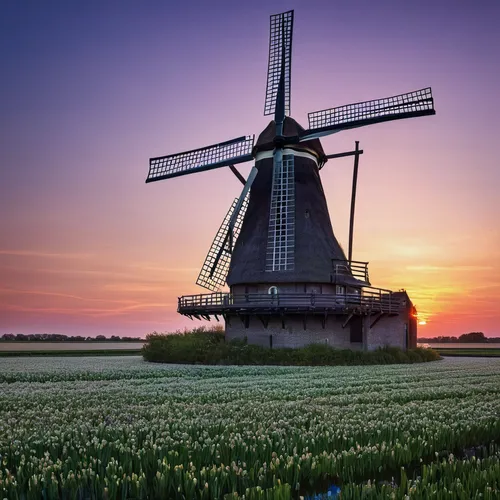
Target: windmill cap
266, 140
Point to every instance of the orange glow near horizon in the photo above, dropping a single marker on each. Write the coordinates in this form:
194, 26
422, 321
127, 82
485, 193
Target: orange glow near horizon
87, 248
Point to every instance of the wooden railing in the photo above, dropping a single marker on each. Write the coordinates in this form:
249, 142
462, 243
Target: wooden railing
354, 268
370, 299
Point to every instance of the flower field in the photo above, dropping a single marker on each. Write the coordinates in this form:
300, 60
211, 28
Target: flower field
120, 428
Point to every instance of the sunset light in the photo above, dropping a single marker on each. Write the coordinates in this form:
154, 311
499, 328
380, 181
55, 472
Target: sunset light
88, 248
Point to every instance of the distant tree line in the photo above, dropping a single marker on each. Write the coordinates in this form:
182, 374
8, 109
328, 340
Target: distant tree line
466, 338
56, 337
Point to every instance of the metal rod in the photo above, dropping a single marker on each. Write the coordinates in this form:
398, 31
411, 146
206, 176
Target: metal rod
353, 198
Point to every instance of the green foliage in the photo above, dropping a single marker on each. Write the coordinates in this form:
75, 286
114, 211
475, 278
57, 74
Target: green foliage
208, 347
119, 428
446, 478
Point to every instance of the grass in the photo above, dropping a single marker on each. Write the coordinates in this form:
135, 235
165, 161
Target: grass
208, 347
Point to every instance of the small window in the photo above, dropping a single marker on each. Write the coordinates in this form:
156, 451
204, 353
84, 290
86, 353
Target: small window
340, 290
273, 290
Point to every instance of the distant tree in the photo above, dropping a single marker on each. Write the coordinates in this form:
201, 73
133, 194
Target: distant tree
100, 337
476, 337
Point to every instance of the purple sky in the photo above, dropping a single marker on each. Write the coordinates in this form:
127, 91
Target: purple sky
90, 91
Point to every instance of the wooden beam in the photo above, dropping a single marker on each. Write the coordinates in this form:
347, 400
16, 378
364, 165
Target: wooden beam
264, 320
349, 153
347, 320
238, 175
353, 198
323, 319
377, 319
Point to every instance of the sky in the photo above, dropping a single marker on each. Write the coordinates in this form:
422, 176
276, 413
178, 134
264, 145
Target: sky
91, 90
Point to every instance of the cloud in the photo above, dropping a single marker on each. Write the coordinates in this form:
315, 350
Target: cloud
432, 269
50, 255
93, 312
146, 266
63, 295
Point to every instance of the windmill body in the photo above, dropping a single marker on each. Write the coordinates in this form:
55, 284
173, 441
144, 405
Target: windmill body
290, 282
305, 245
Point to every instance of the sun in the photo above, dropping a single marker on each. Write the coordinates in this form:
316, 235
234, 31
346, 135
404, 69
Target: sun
422, 322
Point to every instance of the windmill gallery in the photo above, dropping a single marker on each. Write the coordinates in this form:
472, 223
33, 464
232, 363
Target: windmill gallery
290, 283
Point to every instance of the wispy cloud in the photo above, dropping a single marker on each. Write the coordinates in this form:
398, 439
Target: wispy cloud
432, 269
94, 312
148, 266
13, 291
49, 255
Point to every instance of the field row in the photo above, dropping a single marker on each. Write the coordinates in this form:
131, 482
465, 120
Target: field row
121, 428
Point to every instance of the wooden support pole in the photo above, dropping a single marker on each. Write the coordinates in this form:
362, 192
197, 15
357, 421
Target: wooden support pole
378, 317
237, 174
323, 319
342, 155
348, 153
347, 320
264, 319
353, 199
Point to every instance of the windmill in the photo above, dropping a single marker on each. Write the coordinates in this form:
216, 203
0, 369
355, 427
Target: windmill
275, 247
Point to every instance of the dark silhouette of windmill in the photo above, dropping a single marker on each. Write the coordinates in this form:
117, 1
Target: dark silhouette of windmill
276, 248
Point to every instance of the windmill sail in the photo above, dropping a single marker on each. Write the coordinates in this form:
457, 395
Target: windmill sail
409, 105
281, 234
215, 268
218, 155
280, 61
